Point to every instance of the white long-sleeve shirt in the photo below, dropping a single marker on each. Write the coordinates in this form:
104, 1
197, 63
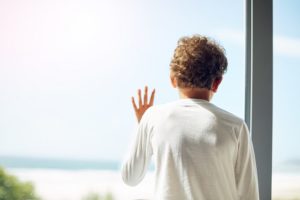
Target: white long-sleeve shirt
200, 152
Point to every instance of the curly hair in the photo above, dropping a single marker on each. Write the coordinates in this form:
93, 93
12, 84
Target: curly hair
197, 62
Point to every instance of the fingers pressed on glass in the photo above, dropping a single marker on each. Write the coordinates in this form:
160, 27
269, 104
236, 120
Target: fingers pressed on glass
140, 98
146, 96
134, 104
152, 97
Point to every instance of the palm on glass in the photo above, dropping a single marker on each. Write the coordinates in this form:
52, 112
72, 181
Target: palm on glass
143, 105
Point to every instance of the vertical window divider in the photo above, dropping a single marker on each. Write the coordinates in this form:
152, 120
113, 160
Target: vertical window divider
259, 87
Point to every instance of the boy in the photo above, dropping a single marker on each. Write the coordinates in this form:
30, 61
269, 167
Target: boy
201, 152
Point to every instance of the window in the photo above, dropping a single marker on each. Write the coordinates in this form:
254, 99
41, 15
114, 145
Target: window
286, 137
69, 68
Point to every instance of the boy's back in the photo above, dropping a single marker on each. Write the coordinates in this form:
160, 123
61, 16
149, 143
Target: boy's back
200, 152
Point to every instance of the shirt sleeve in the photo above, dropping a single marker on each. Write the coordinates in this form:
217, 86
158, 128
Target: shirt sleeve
136, 164
245, 168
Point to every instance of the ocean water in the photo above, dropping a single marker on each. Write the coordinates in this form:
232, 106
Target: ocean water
14, 162
65, 164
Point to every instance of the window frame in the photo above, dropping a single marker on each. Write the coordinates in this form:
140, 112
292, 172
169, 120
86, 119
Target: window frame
259, 87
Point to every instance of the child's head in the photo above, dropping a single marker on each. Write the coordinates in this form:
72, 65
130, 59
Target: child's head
198, 61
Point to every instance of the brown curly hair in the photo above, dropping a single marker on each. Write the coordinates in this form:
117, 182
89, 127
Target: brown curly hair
197, 62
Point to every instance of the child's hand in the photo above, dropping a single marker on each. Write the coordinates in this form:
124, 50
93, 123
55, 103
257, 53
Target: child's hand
143, 106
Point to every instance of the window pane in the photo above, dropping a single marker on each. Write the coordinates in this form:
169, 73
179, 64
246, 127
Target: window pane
69, 68
286, 135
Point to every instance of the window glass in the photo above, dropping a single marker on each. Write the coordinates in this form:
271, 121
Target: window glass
68, 70
286, 113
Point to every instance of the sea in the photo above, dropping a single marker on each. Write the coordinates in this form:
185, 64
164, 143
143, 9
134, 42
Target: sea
52, 163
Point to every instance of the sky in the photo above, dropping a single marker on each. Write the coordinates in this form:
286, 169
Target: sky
69, 68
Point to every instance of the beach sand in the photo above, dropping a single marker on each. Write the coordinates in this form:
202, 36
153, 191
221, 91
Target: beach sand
75, 184
286, 186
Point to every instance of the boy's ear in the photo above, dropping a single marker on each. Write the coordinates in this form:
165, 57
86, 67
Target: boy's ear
173, 81
216, 84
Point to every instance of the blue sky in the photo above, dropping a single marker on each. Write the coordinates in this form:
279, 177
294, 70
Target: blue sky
69, 68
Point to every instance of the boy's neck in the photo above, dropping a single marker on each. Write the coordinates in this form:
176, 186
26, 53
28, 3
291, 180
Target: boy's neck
195, 93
